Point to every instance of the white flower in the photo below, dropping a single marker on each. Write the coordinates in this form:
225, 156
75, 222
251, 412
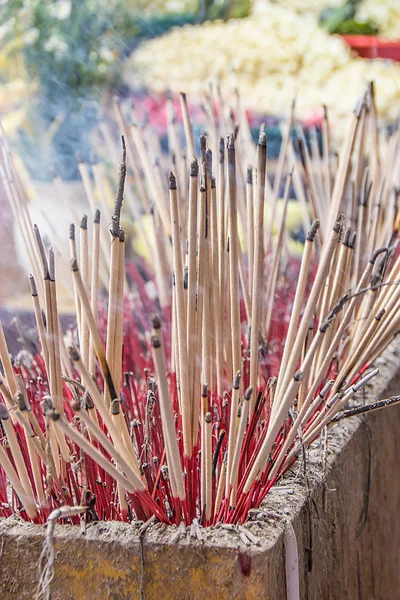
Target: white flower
106, 54
56, 45
30, 36
61, 9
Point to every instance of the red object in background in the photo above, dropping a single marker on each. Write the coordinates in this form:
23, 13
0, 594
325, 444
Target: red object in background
371, 46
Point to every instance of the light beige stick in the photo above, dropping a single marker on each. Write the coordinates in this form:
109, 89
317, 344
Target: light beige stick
276, 259
192, 250
39, 320
233, 258
308, 312
16, 452
167, 417
84, 262
297, 303
245, 408
94, 284
16, 484
181, 321
199, 313
187, 126
258, 266
233, 423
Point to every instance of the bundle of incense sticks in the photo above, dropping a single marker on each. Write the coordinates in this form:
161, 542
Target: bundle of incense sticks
193, 400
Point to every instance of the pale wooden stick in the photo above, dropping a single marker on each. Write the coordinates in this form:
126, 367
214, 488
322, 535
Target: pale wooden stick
191, 304
199, 313
276, 260
115, 433
245, 408
84, 262
16, 453
343, 168
258, 266
187, 126
167, 417
181, 321
221, 486
207, 449
94, 332
217, 294
250, 197
297, 303
119, 322
94, 284
74, 256
233, 424
16, 484
6, 362
326, 156
233, 257
131, 485
309, 310
283, 152
53, 333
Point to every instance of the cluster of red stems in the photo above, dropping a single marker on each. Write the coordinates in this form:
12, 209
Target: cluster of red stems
192, 402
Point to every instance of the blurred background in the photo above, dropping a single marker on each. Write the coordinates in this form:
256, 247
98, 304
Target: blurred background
62, 62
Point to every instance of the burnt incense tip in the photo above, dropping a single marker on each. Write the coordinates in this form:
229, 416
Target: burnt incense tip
194, 167
338, 226
4, 414
74, 265
171, 181
73, 353
360, 105
249, 177
123, 149
32, 284
204, 390
84, 222
115, 408
380, 314
72, 231
203, 146
52, 267
202, 188
302, 153
325, 110
346, 237
371, 88
248, 393
262, 140
76, 406
155, 342
352, 241
97, 215
377, 253
236, 381
313, 230
182, 95
298, 376
221, 150
231, 142
207, 417
122, 235
213, 184
156, 322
